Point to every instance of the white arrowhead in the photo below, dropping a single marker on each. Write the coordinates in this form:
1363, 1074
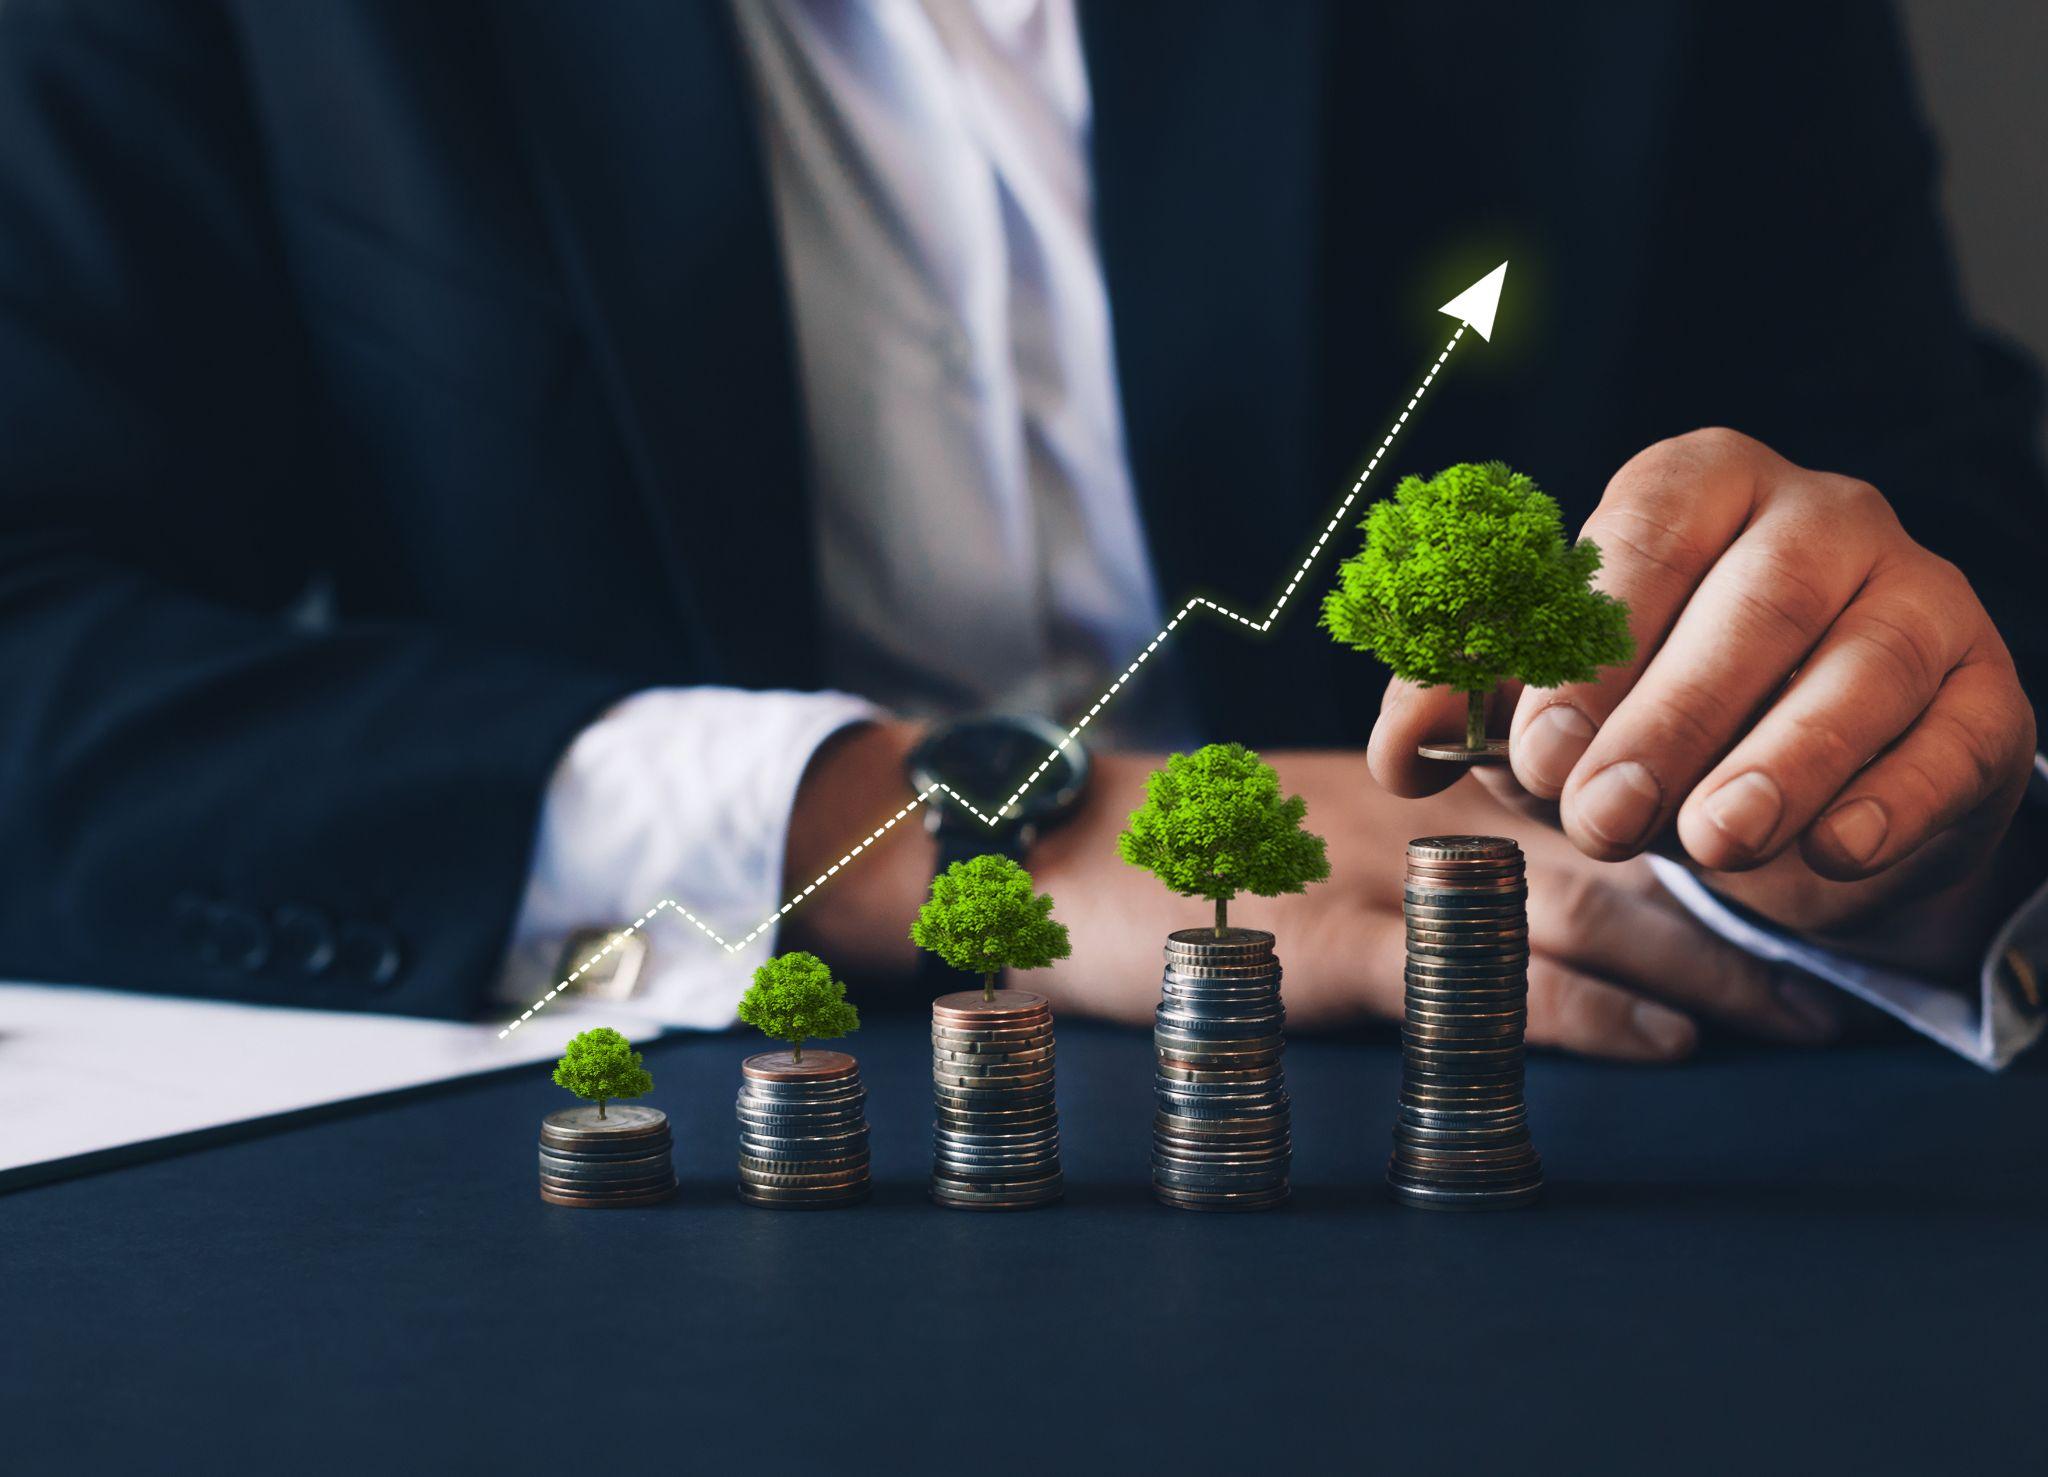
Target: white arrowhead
1477, 304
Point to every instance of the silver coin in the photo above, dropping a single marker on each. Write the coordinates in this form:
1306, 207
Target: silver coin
1425, 965
800, 1107
1017, 1185
1189, 1200
1259, 1165
1231, 1004
1224, 1033
999, 1122
991, 1092
815, 1148
1169, 1039
1509, 1178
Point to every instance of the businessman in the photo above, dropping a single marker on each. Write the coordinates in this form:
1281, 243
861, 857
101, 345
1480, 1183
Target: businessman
469, 470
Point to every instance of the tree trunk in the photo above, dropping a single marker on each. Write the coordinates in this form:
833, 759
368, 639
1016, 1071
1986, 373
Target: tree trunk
988, 988
1222, 917
796, 1052
600, 1107
1475, 719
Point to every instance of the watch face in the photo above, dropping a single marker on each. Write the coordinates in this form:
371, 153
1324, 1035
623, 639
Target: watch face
987, 758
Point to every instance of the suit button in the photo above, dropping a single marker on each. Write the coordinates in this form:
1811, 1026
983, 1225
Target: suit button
368, 952
303, 938
234, 938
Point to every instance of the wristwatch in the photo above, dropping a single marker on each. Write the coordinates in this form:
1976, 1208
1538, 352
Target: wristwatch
985, 758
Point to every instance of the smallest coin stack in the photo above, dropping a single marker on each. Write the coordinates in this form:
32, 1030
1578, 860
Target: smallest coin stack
803, 1131
1461, 1140
996, 1141
619, 1159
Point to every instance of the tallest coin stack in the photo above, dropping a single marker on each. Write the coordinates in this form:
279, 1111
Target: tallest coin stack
1461, 1140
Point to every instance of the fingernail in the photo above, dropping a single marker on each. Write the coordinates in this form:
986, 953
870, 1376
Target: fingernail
1746, 809
1619, 802
1857, 829
1670, 1033
1814, 1004
1551, 744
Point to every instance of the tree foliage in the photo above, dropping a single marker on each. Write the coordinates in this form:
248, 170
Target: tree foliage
794, 998
1466, 579
1215, 823
984, 917
600, 1064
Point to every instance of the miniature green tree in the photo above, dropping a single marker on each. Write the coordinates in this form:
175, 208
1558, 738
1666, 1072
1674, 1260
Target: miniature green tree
1466, 579
1215, 823
794, 998
601, 1064
984, 917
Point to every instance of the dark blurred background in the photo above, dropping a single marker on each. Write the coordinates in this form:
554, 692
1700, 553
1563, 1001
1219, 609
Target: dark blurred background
1980, 65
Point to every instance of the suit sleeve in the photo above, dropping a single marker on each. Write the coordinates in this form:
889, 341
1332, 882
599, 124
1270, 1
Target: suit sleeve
199, 794
1808, 296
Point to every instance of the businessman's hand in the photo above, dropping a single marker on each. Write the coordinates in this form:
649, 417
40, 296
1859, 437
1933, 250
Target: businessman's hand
1618, 969
1813, 695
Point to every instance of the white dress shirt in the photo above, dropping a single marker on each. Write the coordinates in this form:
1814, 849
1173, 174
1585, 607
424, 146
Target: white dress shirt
978, 538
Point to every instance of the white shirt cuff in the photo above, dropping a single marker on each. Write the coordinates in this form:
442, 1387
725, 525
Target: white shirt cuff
680, 793
2002, 1019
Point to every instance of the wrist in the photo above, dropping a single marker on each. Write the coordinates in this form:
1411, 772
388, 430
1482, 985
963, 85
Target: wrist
852, 787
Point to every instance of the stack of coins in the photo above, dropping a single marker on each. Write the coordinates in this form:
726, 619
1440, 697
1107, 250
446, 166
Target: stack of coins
1220, 1140
803, 1131
996, 1143
619, 1159
1462, 1138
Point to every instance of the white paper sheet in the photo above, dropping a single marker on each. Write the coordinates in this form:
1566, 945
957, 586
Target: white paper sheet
85, 1070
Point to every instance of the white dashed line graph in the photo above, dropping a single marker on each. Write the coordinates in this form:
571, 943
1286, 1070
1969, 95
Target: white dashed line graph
1474, 308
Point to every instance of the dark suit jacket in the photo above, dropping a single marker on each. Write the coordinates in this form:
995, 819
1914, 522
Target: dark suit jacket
469, 317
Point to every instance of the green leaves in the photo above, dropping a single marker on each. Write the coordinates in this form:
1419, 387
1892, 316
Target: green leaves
1214, 824
794, 998
984, 917
1466, 579
601, 1064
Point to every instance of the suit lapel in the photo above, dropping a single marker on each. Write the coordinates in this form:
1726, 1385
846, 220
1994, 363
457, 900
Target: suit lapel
639, 122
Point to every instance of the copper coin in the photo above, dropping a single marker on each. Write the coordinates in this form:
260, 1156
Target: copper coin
770, 1197
602, 1202
1009, 1031
1458, 875
1176, 1120
970, 1007
782, 1066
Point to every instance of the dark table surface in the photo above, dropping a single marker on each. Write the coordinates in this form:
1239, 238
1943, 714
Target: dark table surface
1758, 1261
